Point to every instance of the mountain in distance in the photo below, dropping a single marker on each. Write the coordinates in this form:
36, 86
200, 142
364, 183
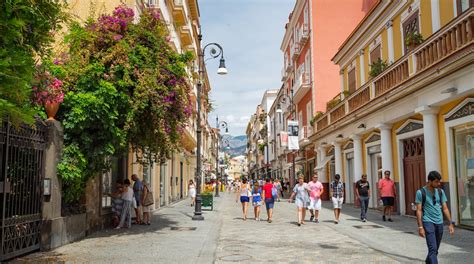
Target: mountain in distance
237, 145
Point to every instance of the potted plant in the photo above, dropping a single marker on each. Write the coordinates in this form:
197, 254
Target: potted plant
413, 39
47, 92
316, 117
331, 104
377, 67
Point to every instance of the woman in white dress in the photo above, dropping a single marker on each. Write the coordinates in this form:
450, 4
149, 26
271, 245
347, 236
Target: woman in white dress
301, 191
192, 192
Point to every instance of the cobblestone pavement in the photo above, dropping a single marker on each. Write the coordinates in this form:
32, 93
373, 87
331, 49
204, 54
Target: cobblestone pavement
223, 237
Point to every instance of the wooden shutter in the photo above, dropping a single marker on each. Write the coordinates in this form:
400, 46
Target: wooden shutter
351, 76
411, 25
375, 54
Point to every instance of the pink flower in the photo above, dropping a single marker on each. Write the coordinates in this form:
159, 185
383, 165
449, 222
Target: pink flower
117, 37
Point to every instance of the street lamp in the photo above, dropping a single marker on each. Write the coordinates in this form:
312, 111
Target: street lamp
223, 125
222, 70
282, 100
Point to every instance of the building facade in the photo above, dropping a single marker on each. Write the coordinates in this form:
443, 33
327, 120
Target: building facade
405, 103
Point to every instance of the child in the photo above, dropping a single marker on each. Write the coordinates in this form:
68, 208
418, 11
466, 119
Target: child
256, 200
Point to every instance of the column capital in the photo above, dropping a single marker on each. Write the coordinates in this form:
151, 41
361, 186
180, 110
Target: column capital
389, 24
427, 110
384, 126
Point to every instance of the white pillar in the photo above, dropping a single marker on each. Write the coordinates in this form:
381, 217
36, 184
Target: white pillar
341, 78
322, 172
391, 56
362, 67
386, 146
358, 169
338, 157
431, 137
435, 16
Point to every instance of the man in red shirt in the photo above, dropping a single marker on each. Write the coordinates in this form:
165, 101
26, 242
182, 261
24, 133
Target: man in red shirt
269, 199
388, 193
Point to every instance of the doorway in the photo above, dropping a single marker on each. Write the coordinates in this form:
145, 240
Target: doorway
413, 169
349, 184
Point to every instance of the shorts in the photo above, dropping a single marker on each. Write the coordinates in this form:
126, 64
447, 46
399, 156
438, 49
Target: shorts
388, 201
269, 202
337, 202
244, 199
314, 204
256, 204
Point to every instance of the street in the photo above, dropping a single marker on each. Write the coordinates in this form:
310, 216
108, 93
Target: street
223, 237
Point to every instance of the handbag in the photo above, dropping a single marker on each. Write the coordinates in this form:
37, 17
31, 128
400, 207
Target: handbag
148, 199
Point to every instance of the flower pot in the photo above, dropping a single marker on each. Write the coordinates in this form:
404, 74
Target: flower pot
51, 110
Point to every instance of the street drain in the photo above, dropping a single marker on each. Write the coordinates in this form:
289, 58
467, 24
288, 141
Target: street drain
235, 247
176, 228
367, 226
236, 258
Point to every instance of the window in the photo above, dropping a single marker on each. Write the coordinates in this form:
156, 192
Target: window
375, 54
108, 182
411, 25
463, 5
464, 151
351, 76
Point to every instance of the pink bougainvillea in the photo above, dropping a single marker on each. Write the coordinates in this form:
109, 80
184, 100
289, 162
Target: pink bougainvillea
47, 89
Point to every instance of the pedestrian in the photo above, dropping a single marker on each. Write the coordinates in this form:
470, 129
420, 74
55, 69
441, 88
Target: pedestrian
316, 190
387, 193
336, 189
430, 206
300, 191
117, 202
244, 193
137, 193
192, 192
127, 197
256, 200
147, 208
363, 194
269, 193
277, 185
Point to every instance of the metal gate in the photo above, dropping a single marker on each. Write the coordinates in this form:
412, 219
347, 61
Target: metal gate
21, 178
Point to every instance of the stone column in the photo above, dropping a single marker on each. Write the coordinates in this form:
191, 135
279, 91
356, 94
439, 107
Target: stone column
341, 78
338, 157
322, 156
431, 137
391, 56
435, 16
386, 146
362, 67
358, 169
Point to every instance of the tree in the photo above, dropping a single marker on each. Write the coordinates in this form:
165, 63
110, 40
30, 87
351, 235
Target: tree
26, 28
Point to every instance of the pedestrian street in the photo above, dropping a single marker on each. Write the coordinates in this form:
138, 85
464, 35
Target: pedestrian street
224, 237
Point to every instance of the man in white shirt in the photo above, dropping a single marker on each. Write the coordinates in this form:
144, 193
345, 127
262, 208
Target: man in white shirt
127, 197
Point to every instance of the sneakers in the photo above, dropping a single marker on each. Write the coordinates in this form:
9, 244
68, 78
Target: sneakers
390, 220
299, 224
364, 220
316, 220
311, 218
270, 220
257, 219
336, 222
383, 218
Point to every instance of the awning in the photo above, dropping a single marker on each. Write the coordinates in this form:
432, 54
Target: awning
324, 162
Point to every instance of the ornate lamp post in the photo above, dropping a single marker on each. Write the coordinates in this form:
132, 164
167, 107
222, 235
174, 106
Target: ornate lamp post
282, 100
214, 53
219, 125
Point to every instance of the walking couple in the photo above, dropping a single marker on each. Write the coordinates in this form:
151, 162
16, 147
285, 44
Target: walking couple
307, 196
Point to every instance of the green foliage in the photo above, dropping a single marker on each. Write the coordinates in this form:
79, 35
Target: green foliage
413, 38
377, 67
25, 35
331, 104
316, 117
127, 87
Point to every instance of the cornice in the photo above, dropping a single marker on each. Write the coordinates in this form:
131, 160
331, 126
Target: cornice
292, 23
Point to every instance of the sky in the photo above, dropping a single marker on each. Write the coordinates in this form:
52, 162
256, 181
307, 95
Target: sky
250, 32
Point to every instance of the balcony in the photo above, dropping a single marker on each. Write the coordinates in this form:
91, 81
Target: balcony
304, 34
186, 36
179, 14
304, 134
289, 67
296, 51
452, 46
302, 86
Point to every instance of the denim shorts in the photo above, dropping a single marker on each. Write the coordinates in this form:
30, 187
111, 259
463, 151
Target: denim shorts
269, 202
244, 199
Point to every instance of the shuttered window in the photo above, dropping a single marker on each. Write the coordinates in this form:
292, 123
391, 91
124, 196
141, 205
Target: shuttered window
351, 76
375, 54
463, 5
411, 25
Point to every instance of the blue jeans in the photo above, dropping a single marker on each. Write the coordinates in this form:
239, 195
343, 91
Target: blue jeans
433, 234
364, 205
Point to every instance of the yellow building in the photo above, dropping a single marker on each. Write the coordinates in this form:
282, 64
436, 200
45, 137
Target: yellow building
406, 103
